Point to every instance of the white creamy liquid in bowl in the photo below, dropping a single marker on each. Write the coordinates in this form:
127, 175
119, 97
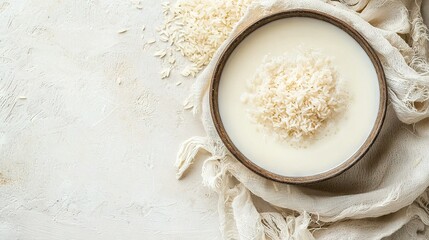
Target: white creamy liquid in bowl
352, 127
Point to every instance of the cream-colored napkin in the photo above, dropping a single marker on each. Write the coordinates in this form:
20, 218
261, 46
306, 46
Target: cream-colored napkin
383, 196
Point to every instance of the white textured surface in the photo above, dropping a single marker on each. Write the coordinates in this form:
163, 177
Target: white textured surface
89, 153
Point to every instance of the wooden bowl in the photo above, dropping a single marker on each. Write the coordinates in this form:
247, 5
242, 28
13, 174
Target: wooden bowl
214, 107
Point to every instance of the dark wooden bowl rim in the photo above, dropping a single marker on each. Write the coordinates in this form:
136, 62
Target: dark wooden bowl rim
214, 108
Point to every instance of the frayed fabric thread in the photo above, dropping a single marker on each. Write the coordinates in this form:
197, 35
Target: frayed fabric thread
236, 207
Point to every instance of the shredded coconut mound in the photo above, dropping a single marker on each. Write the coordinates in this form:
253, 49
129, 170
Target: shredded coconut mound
196, 28
293, 96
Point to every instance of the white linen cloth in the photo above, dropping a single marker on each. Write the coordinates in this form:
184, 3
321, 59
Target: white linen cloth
385, 195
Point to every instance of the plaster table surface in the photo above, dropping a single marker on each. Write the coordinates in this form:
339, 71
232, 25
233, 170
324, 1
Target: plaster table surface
88, 130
